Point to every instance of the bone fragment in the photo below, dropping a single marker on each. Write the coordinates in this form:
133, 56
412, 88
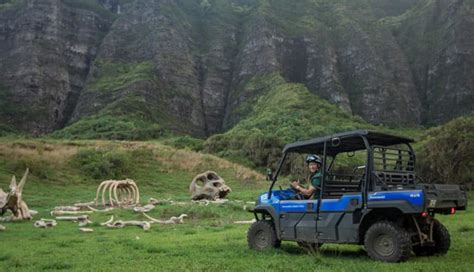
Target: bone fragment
84, 205
120, 224
86, 230
45, 223
73, 218
33, 212
82, 219
172, 220
67, 208
59, 213
100, 211
154, 201
108, 221
245, 222
144, 209
6, 219
2, 228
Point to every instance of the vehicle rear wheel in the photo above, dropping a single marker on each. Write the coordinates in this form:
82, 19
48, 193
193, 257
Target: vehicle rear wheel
262, 236
442, 241
385, 241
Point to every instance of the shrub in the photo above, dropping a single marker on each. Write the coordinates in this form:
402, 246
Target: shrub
111, 128
104, 164
188, 142
447, 153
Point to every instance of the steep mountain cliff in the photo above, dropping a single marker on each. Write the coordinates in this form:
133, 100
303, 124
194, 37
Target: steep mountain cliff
46, 51
438, 39
185, 65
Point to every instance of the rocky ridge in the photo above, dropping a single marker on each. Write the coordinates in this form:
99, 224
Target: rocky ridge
185, 64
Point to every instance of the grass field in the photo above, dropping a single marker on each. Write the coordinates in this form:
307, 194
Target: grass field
207, 241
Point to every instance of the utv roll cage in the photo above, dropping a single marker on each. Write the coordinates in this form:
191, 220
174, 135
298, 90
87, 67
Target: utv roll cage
386, 167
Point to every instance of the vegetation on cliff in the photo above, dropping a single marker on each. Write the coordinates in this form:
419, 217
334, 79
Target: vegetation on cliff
446, 153
283, 113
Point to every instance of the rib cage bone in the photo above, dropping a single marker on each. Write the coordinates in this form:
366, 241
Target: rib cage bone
120, 193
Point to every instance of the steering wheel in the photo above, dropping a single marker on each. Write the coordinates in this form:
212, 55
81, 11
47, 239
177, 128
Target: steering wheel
298, 194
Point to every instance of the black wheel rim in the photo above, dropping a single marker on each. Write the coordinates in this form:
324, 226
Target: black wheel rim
384, 245
261, 239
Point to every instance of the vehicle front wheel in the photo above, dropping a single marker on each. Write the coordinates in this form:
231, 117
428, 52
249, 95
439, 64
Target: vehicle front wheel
262, 236
385, 241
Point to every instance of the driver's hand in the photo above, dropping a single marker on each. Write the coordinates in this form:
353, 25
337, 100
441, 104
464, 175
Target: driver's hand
295, 184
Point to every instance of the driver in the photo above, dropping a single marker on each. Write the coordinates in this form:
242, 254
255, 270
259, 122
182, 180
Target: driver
314, 164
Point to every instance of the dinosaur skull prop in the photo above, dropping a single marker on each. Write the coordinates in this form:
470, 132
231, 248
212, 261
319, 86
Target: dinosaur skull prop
14, 201
208, 185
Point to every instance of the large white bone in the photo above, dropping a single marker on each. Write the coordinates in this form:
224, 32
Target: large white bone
82, 205
59, 213
172, 220
100, 211
108, 221
245, 222
120, 224
86, 230
154, 201
144, 209
82, 219
67, 208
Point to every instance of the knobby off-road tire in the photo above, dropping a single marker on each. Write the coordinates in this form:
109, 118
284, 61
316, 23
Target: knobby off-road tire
262, 236
385, 241
442, 241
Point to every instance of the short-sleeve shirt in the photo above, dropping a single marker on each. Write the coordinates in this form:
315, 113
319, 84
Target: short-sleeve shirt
316, 183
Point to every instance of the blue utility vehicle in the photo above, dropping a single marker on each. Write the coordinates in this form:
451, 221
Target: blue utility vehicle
379, 203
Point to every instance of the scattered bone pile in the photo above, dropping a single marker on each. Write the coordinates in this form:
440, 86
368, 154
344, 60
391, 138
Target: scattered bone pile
145, 225
120, 193
206, 188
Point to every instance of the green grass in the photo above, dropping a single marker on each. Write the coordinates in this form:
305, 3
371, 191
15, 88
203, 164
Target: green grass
107, 126
207, 241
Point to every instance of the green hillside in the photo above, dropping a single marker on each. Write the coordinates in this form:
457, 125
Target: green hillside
282, 113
